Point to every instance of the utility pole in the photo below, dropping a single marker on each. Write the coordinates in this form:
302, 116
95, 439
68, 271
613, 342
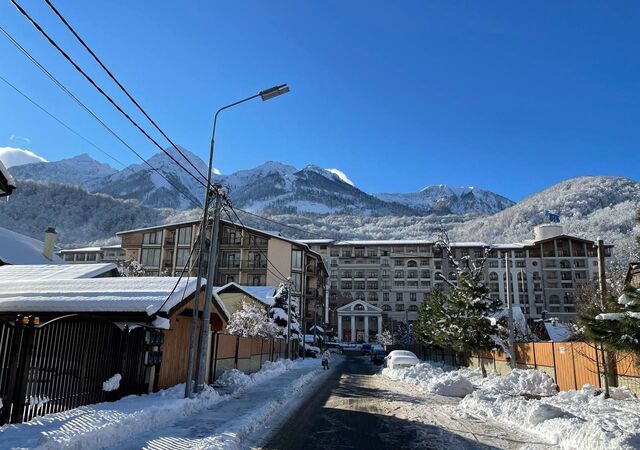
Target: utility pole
303, 306
512, 344
196, 300
289, 318
602, 279
203, 343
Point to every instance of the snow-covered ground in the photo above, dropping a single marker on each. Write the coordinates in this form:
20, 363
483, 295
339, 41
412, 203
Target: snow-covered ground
224, 417
527, 400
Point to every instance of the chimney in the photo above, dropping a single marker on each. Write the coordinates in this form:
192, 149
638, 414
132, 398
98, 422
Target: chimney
49, 243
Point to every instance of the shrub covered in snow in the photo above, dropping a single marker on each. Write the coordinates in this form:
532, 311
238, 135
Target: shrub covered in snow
522, 382
433, 379
252, 320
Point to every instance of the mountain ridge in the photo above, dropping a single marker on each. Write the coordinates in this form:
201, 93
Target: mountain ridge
273, 187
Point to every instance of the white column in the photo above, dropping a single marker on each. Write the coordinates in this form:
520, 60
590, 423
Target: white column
379, 324
339, 327
353, 328
366, 328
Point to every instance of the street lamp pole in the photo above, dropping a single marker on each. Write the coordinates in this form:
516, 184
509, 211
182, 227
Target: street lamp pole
211, 191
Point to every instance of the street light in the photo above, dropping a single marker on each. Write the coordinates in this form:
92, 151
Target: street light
273, 92
210, 190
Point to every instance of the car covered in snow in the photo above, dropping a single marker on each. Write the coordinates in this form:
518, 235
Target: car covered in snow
399, 359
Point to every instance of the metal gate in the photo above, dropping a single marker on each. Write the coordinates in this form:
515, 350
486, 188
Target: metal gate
63, 363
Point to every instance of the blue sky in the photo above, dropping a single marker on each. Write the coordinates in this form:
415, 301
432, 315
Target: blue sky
507, 96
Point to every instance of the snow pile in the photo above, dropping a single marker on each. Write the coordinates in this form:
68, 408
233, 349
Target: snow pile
521, 382
570, 419
113, 422
433, 379
270, 369
112, 383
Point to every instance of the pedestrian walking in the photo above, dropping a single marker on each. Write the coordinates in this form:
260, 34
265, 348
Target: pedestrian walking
325, 360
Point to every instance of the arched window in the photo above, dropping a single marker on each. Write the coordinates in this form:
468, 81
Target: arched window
412, 263
386, 307
358, 307
522, 276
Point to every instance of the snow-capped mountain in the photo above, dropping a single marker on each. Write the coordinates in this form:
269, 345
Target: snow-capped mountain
81, 170
271, 187
443, 199
588, 207
278, 188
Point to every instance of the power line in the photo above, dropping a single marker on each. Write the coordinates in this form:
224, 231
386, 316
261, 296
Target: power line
302, 230
101, 91
40, 107
58, 83
84, 44
280, 275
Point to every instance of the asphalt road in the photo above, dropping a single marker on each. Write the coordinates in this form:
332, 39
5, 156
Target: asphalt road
355, 409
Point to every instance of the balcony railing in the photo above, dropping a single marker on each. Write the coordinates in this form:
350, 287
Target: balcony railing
254, 264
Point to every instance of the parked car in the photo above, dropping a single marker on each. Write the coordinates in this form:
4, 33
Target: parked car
378, 355
366, 349
334, 347
399, 359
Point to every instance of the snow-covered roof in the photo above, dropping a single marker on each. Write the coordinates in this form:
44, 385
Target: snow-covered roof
115, 246
16, 248
53, 271
263, 294
7, 183
80, 250
274, 234
121, 294
316, 241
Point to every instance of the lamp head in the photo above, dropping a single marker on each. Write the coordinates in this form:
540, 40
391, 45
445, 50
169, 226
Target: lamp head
274, 92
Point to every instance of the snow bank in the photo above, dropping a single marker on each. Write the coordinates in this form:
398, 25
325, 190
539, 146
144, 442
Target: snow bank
113, 422
433, 379
461, 382
570, 419
521, 382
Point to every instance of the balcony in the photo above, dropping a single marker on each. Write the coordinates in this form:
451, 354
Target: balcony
230, 265
229, 240
254, 264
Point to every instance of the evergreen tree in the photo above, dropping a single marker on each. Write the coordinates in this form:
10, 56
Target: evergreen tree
463, 319
615, 324
279, 312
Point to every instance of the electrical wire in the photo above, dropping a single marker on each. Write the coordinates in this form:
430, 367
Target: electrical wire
268, 219
101, 91
95, 57
279, 275
58, 83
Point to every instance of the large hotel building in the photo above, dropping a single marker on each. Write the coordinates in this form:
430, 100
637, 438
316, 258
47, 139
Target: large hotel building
397, 275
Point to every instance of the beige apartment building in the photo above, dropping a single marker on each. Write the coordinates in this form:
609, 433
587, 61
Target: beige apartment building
397, 275
247, 256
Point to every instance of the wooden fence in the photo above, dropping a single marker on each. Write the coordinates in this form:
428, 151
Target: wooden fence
63, 363
247, 354
570, 364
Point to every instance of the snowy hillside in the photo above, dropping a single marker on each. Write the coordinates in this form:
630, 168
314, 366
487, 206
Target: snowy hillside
443, 199
310, 190
271, 187
81, 170
78, 216
140, 182
588, 207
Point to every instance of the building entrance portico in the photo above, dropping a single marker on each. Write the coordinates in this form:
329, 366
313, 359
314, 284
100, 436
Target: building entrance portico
358, 320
